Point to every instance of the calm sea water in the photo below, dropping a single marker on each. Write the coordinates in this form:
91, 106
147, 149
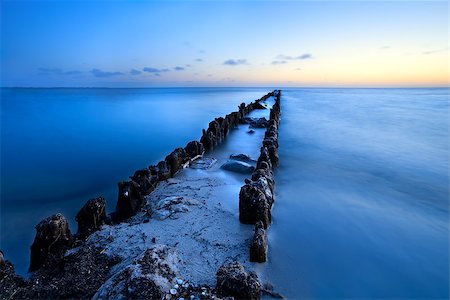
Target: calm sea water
362, 189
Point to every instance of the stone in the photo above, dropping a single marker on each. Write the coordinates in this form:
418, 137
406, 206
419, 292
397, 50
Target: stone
251, 131
253, 206
52, 239
259, 105
146, 182
176, 160
238, 167
234, 281
242, 157
194, 149
258, 247
129, 201
259, 123
91, 217
161, 170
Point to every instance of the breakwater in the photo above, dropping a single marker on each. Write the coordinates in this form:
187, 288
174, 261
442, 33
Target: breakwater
53, 237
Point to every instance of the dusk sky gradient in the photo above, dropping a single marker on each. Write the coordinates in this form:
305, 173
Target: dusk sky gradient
235, 43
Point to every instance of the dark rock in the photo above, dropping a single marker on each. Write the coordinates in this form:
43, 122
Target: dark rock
208, 140
161, 170
259, 123
52, 239
176, 160
91, 217
251, 131
146, 182
242, 157
258, 246
10, 282
76, 276
129, 200
143, 288
247, 120
194, 149
273, 155
263, 157
253, 206
234, 281
238, 167
259, 105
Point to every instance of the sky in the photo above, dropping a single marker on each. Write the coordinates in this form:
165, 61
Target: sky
218, 43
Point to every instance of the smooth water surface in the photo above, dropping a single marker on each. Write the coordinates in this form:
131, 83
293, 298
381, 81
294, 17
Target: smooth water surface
362, 189
362, 194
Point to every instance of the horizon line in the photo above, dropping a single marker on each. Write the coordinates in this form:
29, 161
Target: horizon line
171, 87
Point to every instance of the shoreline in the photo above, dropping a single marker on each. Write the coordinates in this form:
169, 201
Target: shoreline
158, 215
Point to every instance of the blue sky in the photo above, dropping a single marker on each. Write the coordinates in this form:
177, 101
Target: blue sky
234, 43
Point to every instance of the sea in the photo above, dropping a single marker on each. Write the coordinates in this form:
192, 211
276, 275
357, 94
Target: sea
362, 190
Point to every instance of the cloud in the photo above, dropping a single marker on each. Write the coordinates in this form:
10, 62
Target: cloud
300, 57
199, 60
177, 68
188, 65
385, 47
155, 70
279, 62
135, 72
100, 73
235, 62
435, 51
56, 71
298, 69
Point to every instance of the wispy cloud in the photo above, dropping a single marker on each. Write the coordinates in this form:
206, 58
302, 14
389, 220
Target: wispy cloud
435, 51
135, 72
298, 69
235, 62
385, 47
155, 70
199, 59
100, 73
177, 68
279, 62
299, 57
56, 71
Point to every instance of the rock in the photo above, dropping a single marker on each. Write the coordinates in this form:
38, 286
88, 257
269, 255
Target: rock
161, 170
129, 201
259, 105
176, 160
263, 184
259, 123
77, 275
273, 155
247, 120
10, 282
251, 131
194, 149
263, 157
52, 239
208, 140
234, 281
253, 206
238, 167
258, 246
242, 157
152, 274
146, 182
91, 217
203, 163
